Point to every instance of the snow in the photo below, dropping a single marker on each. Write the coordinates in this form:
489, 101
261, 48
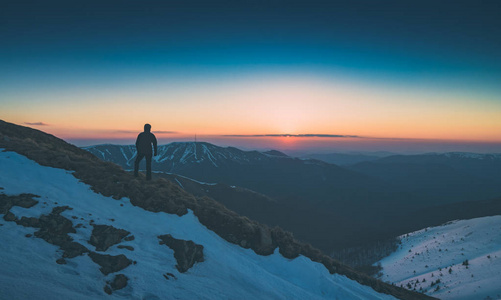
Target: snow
180, 184
209, 155
29, 270
187, 153
188, 178
430, 253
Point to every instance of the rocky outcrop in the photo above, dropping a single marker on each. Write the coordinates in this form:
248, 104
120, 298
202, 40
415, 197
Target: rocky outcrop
119, 282
110, 264
186, 253
168, 276
9, 217
130, 248
105, 236
54, 228
21, 200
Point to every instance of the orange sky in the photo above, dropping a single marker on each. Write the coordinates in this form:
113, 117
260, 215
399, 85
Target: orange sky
291, 104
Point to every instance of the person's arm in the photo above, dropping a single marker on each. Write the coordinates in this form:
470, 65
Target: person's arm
137, 142
154, 145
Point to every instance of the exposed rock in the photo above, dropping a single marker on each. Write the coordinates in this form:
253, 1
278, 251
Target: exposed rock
104, 236
9, 217
28, 235
61, 261
22, 200
167, 275
110, 264
29, 222
78, 225
130, 248
73, 249
129, 238
54, 229
60, 209
107, 290
187, 253
119, 282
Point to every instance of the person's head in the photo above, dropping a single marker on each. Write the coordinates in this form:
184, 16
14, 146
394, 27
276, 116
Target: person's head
147, 127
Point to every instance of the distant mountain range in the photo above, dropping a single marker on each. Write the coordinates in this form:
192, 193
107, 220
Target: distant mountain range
345, 159
440, 178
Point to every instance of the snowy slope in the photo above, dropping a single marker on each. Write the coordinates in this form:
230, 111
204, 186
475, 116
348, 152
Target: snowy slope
29, 271
438, 253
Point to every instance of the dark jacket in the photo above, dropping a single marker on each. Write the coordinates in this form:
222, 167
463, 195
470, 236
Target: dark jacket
144, 141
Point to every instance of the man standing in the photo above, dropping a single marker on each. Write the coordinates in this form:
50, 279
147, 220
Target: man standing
143, 145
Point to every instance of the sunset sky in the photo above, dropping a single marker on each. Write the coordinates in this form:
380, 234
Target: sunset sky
354, 75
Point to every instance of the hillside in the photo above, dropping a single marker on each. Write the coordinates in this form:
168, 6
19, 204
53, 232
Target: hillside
458, 260
214, 248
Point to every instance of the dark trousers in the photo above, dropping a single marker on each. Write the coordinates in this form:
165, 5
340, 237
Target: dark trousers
148, 164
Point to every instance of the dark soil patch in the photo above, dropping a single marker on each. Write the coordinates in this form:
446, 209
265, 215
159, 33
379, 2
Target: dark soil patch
187, 253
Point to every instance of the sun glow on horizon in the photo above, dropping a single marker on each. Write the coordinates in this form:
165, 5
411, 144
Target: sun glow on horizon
262, 105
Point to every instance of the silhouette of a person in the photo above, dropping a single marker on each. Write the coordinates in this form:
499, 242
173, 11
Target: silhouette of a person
143, 145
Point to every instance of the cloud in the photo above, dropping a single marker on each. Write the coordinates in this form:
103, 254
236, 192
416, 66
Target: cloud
137, 131
165, 131
124, 131
296, 135
36, 123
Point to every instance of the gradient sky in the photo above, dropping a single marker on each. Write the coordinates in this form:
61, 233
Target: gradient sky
392, 75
